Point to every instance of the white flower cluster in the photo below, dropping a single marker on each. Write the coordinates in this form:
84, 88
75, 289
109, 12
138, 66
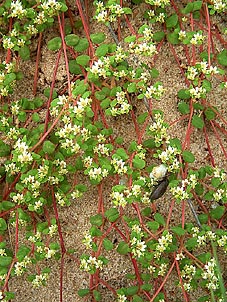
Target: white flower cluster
169, 158
120, 105
87, 241
159, 129
51, 7
163, 244
119, 165
182, 192
158, 3
120, 54
17, 10
143, 48
40, 280
220, 173
197, 92
220, 195
219, 5
118, 199
182, 35
222, 242
197, 38
101, 67
121, 298
187, 273
21, 153
21, 266
155, 91
91, 264
6, 68
97, 173
81, 106
108, 13
210, 274
138, 246
46, 251
162, 269
200, 67
36, 237
61, 199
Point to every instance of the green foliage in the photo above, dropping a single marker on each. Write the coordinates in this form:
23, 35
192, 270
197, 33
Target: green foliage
123, 248
54, 44
188, 156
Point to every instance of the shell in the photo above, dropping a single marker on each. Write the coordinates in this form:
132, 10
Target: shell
160, 189
158, 172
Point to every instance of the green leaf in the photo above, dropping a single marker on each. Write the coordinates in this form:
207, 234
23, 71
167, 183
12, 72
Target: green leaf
71, 40
131, 87
112, 214
54, 44
210, 114
215, 181
107, 244
153, 225
4, 149
188, 156
6, 205
130, 39
132, 290
147, 287
83, 60
97, 295
142, 118
173, 38
102, 50
22, 252
48, 147
138, 163
47, 94
74, 67
222, 57
83, 292
197, 5
158, 36
95, 232
183, 108
5, 260
96, 220
178, 230
137, 298
192, 7
188, 8
207, 85
98, 38
24, 53
197, 122
203, 218
183, 94
3, 226
159, 218
154, 73
35, 117
123, 248
218, 212
121, 152
105, 103
149, 143
191, 243
81, 45
172, 21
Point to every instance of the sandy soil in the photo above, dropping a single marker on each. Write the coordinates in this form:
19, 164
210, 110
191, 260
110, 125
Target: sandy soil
75, 219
